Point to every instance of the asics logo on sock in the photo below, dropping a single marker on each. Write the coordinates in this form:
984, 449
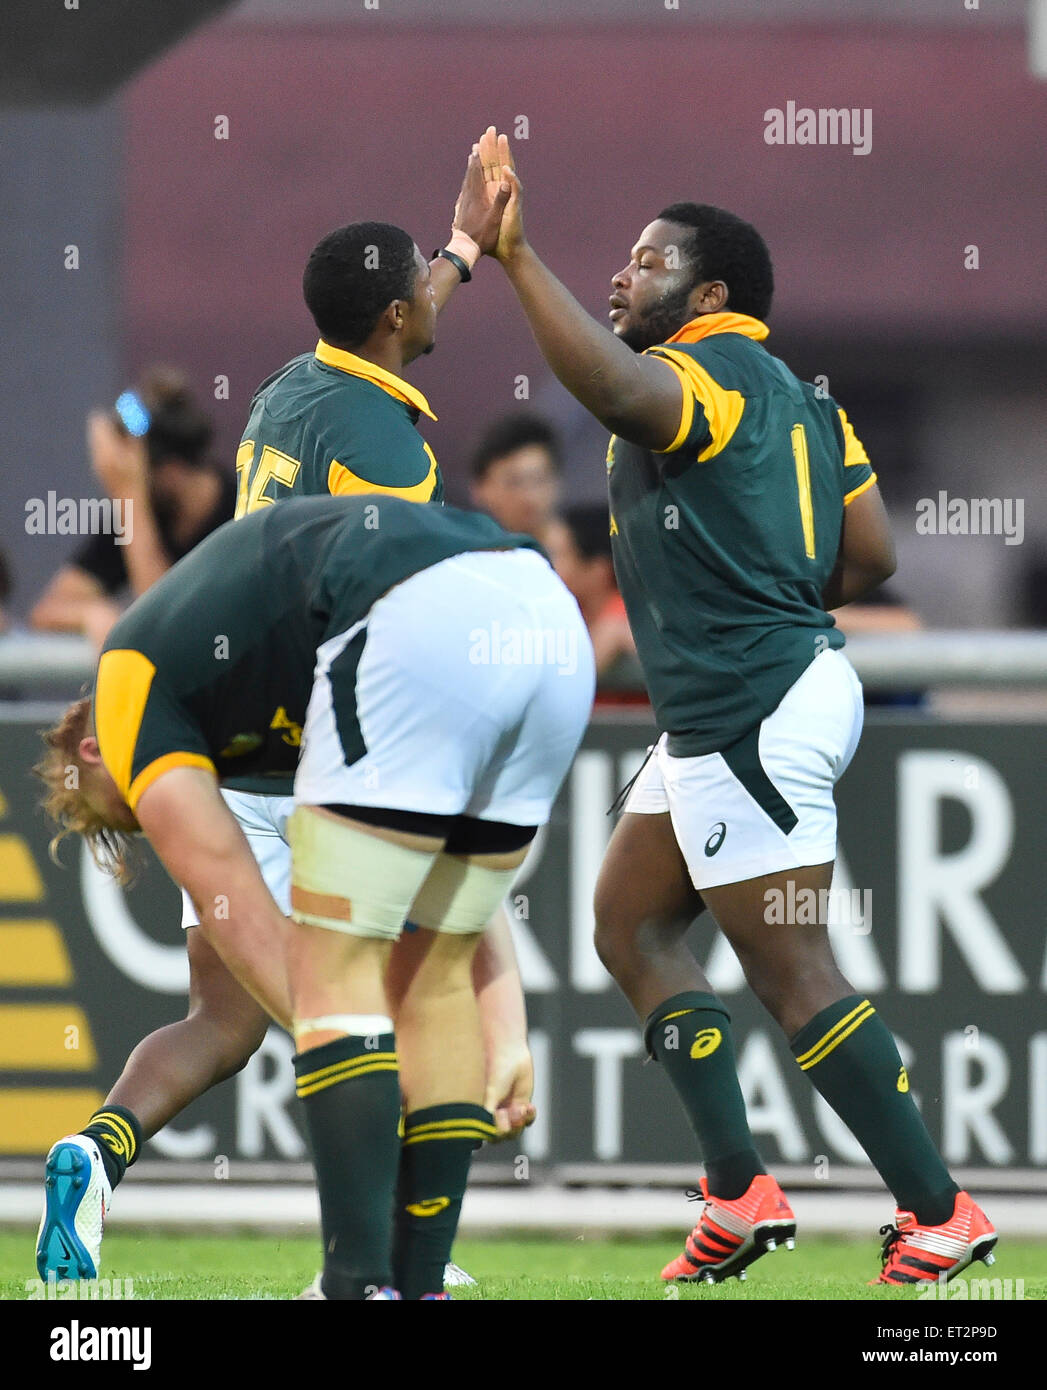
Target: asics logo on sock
708, 1040
431, 1206
716, 839
903, 1080
120, 1147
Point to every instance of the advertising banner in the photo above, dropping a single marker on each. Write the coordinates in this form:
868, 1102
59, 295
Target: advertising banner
937, 914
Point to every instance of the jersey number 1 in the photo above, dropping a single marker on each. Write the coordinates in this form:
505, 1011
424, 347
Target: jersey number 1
803, 483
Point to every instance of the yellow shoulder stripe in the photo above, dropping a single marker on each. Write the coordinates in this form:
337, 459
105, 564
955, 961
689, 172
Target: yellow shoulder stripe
723, 409
853, 448
343, 482
857, 492
159, 766
122, 688
686, 411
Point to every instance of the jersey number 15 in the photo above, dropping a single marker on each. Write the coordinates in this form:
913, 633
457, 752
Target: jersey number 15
251, 481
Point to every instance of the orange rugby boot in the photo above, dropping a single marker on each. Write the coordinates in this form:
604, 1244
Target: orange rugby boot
729, 1236
915, 1254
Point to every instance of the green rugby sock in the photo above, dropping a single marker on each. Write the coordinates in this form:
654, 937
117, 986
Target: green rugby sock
437, 1149
116, 1131
690, 1034
851, 1058
351, 1097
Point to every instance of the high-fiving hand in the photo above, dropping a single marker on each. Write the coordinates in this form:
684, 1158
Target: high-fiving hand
478, 211
502, 189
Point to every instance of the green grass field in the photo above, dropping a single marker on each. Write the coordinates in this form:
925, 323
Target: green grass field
512, 1267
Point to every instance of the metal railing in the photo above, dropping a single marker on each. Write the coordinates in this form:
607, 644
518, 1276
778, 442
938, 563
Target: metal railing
33, 662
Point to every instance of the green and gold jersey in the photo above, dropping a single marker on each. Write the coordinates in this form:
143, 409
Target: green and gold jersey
213, 666
333, 423
330, 423
724, 542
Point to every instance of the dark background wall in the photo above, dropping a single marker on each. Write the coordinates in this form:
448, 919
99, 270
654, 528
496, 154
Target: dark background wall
200, 241
61, 172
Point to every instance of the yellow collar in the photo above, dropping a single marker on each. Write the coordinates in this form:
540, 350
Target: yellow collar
706, 324
370, 371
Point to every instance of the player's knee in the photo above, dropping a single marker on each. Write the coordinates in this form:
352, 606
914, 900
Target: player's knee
792, 987
614, 936
234, 1031
624, 941
606, 942
239, 1049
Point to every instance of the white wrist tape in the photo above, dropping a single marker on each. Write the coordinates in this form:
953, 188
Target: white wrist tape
462, 244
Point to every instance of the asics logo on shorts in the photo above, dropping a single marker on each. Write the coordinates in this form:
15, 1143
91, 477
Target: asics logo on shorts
716, 839
708, 1040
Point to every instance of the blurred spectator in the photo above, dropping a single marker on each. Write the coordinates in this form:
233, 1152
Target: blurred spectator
881, 613
581, 554
152, 450
516, 471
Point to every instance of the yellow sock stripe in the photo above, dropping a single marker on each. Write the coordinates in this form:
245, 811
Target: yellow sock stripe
121, 1126
347, 1069
303, 1091
480, 1126
455, 1123
821, 1056
828, 1037
348, 1062
480, 1132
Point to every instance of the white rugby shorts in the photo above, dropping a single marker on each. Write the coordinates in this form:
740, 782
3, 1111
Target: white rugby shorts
465, 691
765, 805
263, 819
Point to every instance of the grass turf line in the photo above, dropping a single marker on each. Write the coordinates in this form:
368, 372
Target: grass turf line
509, 1268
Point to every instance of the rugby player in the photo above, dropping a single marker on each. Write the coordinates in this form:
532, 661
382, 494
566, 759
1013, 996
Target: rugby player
425, 769
340, 420
742, 509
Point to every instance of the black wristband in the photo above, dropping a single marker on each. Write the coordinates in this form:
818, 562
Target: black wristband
459, 265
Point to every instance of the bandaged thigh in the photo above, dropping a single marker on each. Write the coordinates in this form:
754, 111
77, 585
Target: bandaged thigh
350, 881
459, 896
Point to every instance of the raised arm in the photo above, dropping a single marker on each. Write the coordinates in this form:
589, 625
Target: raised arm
634, 396
474, 230
121, 464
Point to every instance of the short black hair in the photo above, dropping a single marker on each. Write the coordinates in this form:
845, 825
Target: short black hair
353, 274
723, 247
590, 526
512, 432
